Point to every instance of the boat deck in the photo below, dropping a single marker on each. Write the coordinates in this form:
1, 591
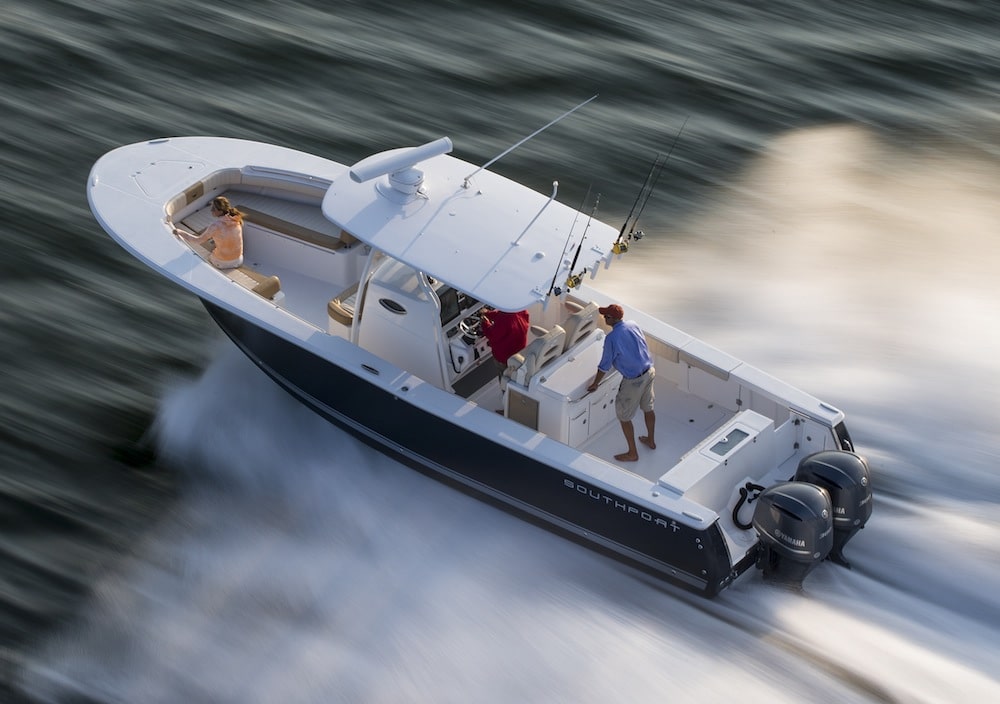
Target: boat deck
305, 296
682, 421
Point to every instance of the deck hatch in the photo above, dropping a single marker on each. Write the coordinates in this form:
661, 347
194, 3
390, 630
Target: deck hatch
724, 446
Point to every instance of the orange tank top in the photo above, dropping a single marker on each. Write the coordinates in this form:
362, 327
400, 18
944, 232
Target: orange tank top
227, 232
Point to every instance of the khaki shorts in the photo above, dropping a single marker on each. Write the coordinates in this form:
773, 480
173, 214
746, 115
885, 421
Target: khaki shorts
634, 394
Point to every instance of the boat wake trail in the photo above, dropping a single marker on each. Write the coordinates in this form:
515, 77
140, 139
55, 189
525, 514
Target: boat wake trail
300, 565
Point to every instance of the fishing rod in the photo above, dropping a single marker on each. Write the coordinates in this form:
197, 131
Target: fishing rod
621, 245
660, 171
569, 237
638, 195
574, 280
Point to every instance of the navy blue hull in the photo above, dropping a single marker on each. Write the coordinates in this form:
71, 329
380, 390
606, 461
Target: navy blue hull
695, 559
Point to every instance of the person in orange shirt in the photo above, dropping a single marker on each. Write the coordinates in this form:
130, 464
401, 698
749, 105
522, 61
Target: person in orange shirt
227, 231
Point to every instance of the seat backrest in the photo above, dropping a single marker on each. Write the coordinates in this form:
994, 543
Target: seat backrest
522, 366
579, 324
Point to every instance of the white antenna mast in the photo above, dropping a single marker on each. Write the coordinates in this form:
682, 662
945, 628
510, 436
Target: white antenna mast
465, 184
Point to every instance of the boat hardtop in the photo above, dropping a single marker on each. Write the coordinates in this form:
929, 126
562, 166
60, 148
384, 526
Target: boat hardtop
498, 241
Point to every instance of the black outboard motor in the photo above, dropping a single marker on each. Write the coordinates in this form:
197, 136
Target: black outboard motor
795, 523
847, 478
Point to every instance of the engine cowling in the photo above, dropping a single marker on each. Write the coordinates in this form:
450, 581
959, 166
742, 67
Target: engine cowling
847, 478
795, 523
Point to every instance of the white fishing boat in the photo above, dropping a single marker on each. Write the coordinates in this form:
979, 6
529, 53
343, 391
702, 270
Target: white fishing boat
360, 293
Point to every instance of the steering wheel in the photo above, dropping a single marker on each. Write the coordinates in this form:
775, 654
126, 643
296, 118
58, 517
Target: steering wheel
472, 326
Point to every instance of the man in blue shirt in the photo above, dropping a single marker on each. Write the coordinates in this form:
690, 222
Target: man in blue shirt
625, 349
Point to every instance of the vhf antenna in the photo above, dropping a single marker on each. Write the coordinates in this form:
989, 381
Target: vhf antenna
465, 183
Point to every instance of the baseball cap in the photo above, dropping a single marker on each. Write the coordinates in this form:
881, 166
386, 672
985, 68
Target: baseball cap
613, 311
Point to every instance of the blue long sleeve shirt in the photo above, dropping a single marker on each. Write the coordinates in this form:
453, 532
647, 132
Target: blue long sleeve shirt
625, 349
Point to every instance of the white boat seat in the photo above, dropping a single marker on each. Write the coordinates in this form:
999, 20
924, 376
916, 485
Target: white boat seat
580, 324
521, 367
537, 330
299, 232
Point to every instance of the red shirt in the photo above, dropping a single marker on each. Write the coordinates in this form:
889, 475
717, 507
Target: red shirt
507, 332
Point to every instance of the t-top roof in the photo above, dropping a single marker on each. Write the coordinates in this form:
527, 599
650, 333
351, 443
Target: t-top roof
497, 240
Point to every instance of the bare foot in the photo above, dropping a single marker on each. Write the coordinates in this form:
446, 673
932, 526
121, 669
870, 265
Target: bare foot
647, 442
626, 457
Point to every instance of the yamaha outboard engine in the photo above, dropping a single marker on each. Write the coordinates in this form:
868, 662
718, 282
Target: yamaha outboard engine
795, 523
847, 479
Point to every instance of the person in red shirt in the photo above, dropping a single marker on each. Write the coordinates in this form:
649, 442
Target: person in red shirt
507, 334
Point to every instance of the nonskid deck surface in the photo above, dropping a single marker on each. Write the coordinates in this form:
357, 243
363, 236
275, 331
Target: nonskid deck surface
682, 421
305, 296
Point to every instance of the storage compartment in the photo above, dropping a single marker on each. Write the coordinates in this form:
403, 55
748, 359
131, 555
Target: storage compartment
743, 447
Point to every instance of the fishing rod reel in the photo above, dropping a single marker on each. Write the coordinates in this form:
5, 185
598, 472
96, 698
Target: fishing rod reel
621, 246
572, 281
575, 280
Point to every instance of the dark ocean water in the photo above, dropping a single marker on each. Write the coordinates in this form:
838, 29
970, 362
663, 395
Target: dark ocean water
829, 213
